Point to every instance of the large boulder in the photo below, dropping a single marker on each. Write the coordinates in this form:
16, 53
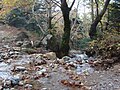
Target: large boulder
53, 44
50, 56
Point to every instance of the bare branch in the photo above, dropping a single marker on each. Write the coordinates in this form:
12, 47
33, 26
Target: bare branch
57, 21
72, 4
37, 17
56, 2
55, 15
75, 17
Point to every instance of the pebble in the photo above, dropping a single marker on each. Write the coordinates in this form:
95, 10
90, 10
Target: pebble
21, 83
20, 68
1, 87
7, 83
14, 80
29, 86
44, 89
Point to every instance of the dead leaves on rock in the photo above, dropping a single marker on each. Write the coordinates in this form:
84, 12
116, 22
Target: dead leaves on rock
71, 84
74, 84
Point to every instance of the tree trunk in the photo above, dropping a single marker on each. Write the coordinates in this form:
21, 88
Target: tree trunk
66, 36
64, 47
93, 30
49, 9
92, 11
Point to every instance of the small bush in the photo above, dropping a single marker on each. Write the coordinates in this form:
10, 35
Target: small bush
82, 43
108, 46
17, 18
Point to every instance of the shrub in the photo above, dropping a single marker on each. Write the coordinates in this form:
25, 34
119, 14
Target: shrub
108, 46
17, 18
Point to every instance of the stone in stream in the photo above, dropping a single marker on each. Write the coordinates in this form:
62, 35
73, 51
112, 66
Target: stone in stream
1, 60
6, 46
28, 86
66, 59
5, 55
44, 89
39, 62
40, 72
21, 83
82, 56
19, 43
11, 81
16, 48
15, 81
19, 68
7, 83
1, 88
50, 56
27, 44
84, 69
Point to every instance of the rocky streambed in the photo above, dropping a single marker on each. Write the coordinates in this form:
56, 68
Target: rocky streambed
44, 71
38, 71
22, 68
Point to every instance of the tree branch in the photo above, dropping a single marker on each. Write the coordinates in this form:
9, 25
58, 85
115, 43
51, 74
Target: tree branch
72, 4
57, 3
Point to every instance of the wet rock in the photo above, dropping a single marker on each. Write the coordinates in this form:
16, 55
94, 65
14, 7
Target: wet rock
5, 55
40, 62
7, 83
36, 85
1, 60
75, 52
1, 87
27, 44
66, 58
5, 74
16, 48
86, 88
44, 89
6, 46
82, 56
13, 52
19, 43
15, 80
28, 50
12, 89
91, 61
19, 68
9, 61
50, 56
79, 70
21, 83
28, 86
84, 69
42, 70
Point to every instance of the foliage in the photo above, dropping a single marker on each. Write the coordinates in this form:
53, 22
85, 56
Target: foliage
108, 46
82, 43
21, 18
8, 5
17, 17
114, 16
32, 25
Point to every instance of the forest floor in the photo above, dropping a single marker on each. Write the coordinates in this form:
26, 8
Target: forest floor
37, 71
